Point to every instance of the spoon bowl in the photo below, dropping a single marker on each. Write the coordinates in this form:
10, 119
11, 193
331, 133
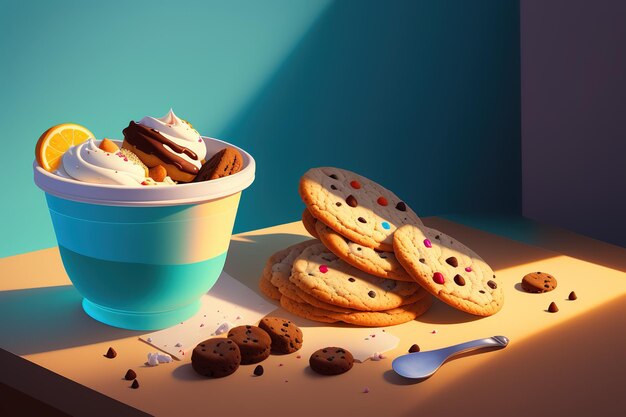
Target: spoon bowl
421, 365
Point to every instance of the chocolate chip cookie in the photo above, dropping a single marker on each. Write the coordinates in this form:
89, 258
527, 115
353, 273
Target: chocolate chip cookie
354, 206
538, 282
286, 336
216, 358
331, 361
254, 343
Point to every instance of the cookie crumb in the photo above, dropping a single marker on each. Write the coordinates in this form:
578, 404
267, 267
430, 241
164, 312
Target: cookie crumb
414, 348
553, 308
149, 340
178, 345
366, 390
572, 296
258, 371
135, 384
111, 353
130, 375
299, 357
433, 332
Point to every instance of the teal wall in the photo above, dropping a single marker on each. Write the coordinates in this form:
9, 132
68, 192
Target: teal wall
421, 95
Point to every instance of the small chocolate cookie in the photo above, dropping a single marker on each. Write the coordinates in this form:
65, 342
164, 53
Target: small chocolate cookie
286, 336
538, 282
216, 358
254, 343
331, 361
226, 162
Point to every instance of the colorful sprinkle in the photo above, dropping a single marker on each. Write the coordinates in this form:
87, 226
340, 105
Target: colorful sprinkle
385, 225
427, 243
355, 185
382, 201
438, 278
323, 269
468, 269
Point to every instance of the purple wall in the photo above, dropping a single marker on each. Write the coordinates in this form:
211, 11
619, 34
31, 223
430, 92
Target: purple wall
573, 90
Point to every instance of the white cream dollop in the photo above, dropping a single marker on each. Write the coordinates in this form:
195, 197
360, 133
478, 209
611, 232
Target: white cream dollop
88, 163
175, 129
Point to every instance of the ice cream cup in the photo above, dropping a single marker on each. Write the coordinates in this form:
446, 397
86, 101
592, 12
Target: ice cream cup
142, 257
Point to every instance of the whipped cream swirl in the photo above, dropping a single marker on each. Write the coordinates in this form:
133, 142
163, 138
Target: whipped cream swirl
88, 163
181, 133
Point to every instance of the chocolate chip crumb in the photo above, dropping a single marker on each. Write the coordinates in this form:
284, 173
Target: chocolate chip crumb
135, 384
372, 294
258, 371
401, 206
111, 353
130, 375
572, 296
553, 308
333, 176
414, 348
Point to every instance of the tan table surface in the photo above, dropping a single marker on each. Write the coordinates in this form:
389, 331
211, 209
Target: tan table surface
568, 363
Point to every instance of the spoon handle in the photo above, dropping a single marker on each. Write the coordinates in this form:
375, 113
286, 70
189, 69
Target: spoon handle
494, 341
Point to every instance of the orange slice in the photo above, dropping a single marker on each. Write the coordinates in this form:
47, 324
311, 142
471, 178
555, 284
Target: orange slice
54, 142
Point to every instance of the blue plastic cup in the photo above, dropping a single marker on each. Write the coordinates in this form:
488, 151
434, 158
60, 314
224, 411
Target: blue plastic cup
142, 257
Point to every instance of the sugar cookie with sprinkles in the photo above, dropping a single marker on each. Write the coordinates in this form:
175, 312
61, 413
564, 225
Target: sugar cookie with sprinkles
323, 275
379, 263
280, 264
389, 317
449, 270
355, 206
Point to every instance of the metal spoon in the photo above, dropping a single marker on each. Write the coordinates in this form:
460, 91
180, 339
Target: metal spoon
421, 365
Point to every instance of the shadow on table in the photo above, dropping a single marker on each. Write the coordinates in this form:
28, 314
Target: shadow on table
50, 318
551, 373
247, 254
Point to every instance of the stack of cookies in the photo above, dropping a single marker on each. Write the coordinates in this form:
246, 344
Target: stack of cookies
373, 262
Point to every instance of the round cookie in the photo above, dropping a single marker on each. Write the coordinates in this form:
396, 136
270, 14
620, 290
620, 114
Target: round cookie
380, 264
216, 358
331, 361
253, 342
320, 273
449, 270
227, 161
538, 282
354, 206
309, 222
391, 317
286, 336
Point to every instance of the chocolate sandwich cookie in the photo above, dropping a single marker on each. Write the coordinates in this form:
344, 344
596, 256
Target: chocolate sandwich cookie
226, 162
331, 361
216, 358
254, 343
286, 336
538, 282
